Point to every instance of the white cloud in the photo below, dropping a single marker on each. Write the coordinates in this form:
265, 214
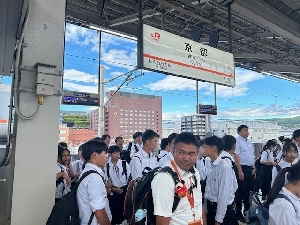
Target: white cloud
243, 77
175, 116
120, 58
80, 88
80, 76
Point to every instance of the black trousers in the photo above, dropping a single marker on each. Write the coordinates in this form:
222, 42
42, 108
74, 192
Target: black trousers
243, 191
116, 204
266, 180
230, 216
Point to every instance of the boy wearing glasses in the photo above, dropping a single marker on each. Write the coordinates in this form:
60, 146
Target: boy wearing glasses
118, 172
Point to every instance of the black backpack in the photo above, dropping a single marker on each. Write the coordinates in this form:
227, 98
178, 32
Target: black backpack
125, 154
65, 211
139, 196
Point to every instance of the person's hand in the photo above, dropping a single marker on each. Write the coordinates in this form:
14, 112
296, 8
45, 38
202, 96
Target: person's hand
77, 174
241, 175
217, 223
67, 179
118, 190
254, 173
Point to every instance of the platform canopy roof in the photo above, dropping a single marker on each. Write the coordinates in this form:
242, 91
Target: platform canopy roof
265, 33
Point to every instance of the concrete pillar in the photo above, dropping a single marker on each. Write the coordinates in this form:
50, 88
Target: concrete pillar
34, 154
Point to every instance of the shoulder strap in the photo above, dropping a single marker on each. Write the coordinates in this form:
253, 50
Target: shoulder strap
136, 148
278, 168
129, 147
137, 157
107, 170
204, 161
77, 166
286, 198
124, 168
176, 179
226, 157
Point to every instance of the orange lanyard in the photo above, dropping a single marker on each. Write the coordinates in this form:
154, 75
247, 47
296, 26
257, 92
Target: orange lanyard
189, 196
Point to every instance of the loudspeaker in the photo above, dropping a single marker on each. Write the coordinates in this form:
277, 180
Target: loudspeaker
196, 33
213, 40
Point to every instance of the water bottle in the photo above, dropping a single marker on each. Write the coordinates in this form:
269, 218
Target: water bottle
140, 214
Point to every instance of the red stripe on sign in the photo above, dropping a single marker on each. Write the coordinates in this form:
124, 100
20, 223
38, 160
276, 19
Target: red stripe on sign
187, 65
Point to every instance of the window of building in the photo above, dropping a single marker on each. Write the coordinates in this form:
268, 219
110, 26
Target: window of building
121, 110
62, 131
62, 138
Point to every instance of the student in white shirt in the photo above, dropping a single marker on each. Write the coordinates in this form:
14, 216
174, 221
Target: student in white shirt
164, 187
63, 181
201, 166
145, 159
221, 186
289, 158
164, 150
106, 139
134, 146
296, 140
228, 153
77, 166
119, 179
169, 156
281, 210
91, 193
267, 161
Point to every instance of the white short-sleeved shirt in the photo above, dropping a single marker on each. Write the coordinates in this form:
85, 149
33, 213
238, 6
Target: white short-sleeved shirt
77, 166
245, 151
283, 164
164, 160
282, 212
267, 155
140, 161
163, 188
221, 185
200, 166
92, 196
133, 150
116, 173
62, 188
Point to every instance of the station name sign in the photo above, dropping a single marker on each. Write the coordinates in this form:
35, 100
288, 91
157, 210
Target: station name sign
168, 53
80, 98
207, 109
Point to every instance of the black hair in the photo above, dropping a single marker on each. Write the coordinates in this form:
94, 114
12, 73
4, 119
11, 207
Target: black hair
229, 142
60, 151
187, 138
97, 139
287, 146
215, 141
201, 142
171, 137
137, 134
163, 143
63, 144
287, 140
104, 136
149, 135
92, 146
296, 133
114, 148
80, 149
292, 177
239, 129
117, 138
281, 138
269, 144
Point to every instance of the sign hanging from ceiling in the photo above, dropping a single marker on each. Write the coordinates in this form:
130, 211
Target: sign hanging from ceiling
168, 53
80, 98
207, 109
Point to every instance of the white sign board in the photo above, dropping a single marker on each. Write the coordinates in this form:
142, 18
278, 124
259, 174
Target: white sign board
170, 54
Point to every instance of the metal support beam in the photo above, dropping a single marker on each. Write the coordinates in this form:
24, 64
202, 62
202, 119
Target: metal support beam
100, 6
229, 26
277, 67
254, 56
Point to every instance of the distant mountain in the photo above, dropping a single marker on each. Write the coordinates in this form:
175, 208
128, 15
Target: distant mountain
287, 123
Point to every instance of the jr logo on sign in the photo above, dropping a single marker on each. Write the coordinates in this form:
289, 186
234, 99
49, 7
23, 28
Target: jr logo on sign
156, 36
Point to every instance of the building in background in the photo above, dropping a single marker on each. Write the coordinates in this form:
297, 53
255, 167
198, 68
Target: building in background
78, 136
258, 130
170, 126
128, 112
198, 124
64, 133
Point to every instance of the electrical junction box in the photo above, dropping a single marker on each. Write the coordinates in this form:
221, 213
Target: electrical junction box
45, 79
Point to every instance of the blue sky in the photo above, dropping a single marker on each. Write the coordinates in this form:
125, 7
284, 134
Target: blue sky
255, 95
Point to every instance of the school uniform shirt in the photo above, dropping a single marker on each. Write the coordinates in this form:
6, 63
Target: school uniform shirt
279, 155
163, 188
267, 156
164, 160
207, 165
245, 151
283, 164
162, 153
140, 161
200, 166
220, 187
92, 196
77, 166
133, 150
116, 173
62, 188
281, 211
226, 154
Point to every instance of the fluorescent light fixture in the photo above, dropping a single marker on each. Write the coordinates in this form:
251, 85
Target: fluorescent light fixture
113, 32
